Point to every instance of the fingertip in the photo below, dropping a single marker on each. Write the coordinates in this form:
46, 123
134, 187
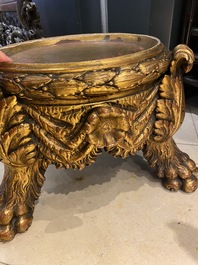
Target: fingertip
4, 57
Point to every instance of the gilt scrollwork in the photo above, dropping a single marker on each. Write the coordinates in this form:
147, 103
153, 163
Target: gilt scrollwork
170, 105
173, 166
67, 117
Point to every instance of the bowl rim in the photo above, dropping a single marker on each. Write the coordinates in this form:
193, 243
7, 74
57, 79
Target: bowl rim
92, 65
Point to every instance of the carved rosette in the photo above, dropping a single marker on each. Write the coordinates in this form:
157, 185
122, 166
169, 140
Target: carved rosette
106, 126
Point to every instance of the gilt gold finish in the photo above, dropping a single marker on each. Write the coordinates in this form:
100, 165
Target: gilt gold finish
64, 99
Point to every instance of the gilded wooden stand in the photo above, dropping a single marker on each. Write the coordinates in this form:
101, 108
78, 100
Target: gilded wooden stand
65, 113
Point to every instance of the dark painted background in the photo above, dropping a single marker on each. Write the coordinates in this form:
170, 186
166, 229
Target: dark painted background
159, 18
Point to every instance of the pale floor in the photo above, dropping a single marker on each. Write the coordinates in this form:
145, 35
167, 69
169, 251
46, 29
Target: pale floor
112, 213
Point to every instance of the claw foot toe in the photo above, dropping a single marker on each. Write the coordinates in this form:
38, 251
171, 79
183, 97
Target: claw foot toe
14, 220
188, 185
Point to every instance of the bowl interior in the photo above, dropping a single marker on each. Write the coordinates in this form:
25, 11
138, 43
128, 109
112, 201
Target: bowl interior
74, 49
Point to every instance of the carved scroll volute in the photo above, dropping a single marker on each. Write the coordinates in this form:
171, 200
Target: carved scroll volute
183, 58
170, 109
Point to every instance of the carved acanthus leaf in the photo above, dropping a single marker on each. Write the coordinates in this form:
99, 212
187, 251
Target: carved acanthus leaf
163, 129
167, 110
170, 106
99, 77
16, 146
9, 111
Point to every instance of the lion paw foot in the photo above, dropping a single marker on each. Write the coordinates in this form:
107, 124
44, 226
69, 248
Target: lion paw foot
180, 173
174, 167
14, 220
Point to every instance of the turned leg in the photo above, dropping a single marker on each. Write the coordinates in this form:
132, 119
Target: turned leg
19, 189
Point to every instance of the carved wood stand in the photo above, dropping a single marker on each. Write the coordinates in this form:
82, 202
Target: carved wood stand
145, 117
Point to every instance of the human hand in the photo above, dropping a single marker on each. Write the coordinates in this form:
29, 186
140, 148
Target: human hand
4, 58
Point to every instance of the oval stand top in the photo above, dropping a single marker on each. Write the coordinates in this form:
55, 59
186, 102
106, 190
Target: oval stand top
82, 69
76, 51
84, 52
79, 48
